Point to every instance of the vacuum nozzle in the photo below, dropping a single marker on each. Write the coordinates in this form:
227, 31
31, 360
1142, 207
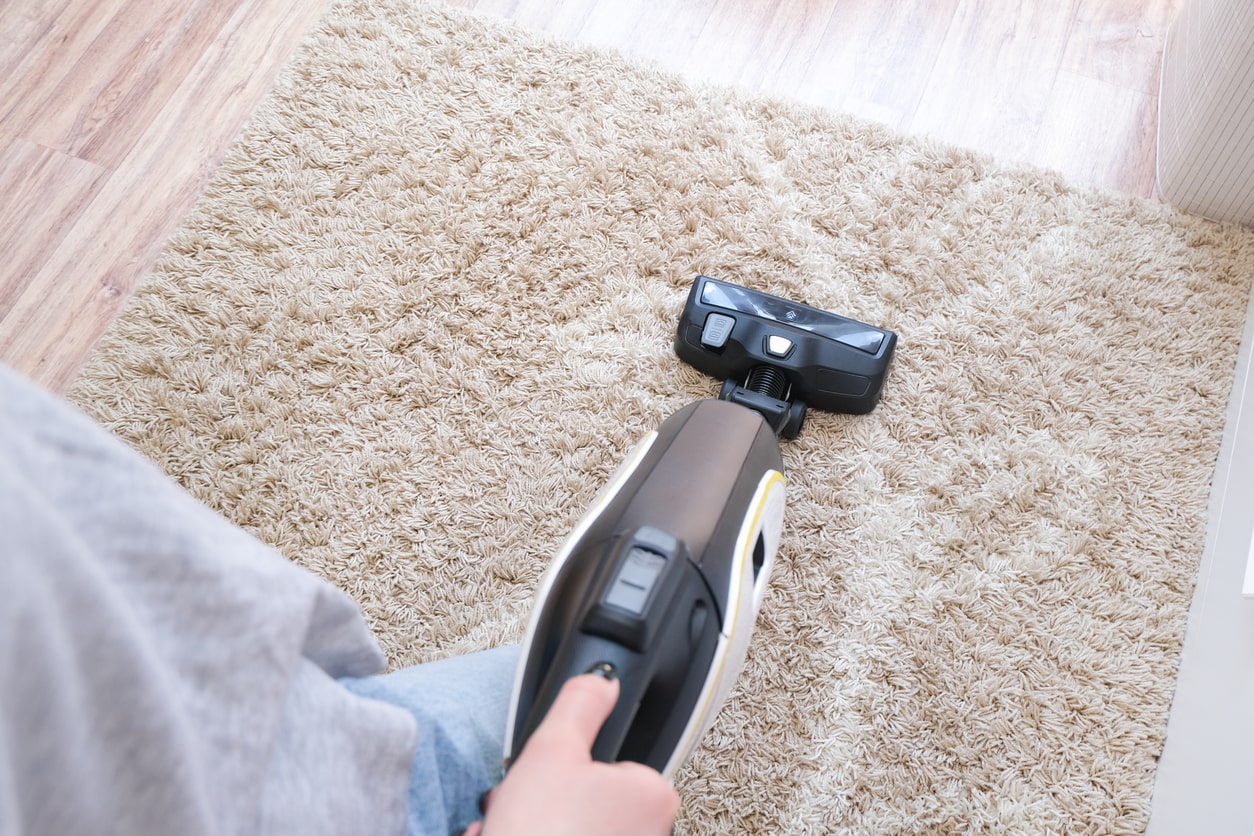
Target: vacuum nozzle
778, 357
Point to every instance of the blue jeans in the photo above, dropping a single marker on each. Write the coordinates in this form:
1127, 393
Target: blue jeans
461, 705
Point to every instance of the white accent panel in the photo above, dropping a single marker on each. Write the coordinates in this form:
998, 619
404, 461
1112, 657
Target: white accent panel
765, 518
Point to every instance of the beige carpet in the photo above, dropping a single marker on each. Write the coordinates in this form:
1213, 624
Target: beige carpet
427, 305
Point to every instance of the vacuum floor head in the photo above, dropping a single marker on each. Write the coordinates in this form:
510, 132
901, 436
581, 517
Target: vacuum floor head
779, 357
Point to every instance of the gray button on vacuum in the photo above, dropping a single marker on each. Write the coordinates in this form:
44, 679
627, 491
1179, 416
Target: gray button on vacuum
636, 576
777, 345
867, 340
718, 328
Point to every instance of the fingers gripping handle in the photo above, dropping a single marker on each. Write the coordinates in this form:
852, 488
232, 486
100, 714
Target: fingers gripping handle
608, 659
609, 741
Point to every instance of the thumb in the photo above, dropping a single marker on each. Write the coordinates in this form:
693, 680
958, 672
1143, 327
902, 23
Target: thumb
580, 709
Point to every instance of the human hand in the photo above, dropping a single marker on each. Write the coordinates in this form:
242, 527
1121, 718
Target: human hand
555, 788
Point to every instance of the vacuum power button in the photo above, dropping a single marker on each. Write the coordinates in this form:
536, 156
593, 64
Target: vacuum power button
778, 346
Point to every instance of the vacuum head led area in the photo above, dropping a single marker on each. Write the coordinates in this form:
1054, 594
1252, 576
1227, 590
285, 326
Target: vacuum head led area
778, 357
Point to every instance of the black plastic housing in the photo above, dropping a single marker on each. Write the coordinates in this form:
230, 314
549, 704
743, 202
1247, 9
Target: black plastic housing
832, 362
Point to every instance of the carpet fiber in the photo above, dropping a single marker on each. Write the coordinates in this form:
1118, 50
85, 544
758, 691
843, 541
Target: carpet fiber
426, 307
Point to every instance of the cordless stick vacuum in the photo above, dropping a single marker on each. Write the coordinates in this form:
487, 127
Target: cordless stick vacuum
660, 583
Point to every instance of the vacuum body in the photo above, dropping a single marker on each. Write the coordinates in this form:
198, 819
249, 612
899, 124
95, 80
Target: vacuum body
661, 581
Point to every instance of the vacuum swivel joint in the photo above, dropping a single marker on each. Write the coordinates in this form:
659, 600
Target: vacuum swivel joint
766, 391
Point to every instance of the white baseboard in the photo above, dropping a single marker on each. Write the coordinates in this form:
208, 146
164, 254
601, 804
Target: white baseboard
1206, 772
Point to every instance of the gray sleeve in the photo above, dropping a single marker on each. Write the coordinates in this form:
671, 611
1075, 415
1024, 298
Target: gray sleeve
162, 671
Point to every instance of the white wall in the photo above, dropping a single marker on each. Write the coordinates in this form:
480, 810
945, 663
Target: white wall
1205, 781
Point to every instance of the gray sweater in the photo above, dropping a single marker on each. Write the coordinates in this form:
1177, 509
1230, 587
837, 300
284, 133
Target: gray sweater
161, 671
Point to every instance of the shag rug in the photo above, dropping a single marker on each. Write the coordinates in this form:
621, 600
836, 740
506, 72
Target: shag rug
426, 307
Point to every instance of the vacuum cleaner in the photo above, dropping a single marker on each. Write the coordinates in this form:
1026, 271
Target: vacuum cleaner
660, 583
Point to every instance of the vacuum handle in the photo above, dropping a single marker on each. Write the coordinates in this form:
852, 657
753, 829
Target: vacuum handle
589, 654
635, 625
633, 681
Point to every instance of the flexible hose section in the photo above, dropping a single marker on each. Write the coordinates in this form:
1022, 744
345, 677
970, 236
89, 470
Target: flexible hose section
767, 380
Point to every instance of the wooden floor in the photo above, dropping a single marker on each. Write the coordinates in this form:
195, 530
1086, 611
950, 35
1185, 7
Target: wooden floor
113, 113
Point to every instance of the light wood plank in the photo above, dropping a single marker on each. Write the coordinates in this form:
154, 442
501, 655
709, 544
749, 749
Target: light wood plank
785, 48
559, 18
103, 102
42, 42
121, 231
728, 47
1099, 134
639, 27
991, 83
876, 59
1120, 42
51, 189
